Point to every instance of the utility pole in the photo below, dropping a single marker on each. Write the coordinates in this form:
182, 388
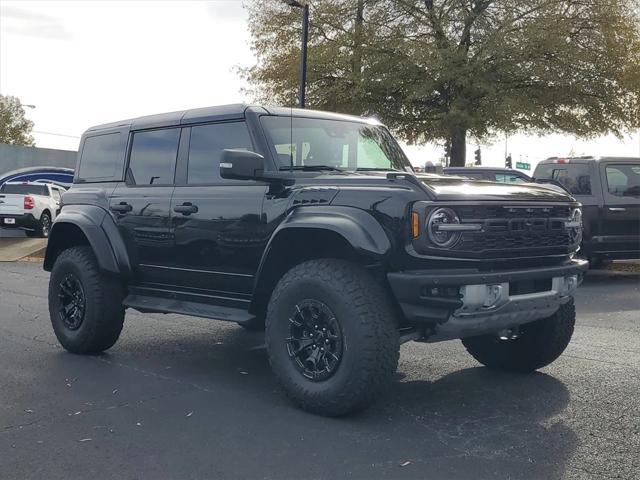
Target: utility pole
303, 52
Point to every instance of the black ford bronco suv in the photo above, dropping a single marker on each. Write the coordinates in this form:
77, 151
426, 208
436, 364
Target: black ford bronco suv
314, 226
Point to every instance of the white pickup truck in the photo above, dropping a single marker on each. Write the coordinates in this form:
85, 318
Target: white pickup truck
30, 206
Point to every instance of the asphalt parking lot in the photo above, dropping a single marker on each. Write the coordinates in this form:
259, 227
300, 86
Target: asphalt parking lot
180, 397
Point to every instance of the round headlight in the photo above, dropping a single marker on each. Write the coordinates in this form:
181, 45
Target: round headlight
437, 230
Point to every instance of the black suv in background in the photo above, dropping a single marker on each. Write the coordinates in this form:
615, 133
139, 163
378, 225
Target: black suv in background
315, 224
609, 190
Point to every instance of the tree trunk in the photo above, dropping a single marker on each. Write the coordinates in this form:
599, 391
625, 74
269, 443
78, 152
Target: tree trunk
458, 142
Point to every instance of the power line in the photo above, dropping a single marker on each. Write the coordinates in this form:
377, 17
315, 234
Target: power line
54, 134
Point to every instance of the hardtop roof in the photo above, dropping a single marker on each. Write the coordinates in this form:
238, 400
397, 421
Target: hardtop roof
587, 159
234, 111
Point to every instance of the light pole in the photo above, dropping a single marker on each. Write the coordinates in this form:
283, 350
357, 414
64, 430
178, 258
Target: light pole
303, 54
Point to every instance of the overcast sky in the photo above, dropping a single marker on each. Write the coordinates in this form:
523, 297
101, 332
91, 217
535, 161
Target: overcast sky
83, 63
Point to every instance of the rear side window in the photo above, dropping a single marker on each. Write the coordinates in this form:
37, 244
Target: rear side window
574, 177
624, 180
102, 158
18, 189
206, 146
153, 157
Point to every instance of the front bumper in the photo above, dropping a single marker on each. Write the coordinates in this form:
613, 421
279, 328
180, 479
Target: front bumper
463, 303
26, 220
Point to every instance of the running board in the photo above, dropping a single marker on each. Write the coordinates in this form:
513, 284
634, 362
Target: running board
147, 304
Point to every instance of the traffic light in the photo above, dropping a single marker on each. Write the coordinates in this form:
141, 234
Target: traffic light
507, 162
477, 155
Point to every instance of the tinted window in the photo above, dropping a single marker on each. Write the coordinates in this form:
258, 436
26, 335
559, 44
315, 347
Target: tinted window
18, 189
102, 158
206, 146
509, 178
470, 175
153, 157
573, 176
624, 180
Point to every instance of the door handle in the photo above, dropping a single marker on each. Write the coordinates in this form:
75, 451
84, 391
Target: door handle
122, 207
617, 209
186, 208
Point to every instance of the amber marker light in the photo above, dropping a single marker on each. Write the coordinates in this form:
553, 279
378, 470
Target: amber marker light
415, 225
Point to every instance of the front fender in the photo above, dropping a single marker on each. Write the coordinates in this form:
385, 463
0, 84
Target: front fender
358, 227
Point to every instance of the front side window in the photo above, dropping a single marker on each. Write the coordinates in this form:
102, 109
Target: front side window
206, 146
55, 193
310, 142
624, 180
153, 157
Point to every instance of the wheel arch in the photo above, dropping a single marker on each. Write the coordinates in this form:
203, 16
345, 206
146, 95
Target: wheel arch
91, 226
318, 232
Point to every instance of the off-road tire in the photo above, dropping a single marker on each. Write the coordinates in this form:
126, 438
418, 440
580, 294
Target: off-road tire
103, 316
368, 326
43, 228
539, 343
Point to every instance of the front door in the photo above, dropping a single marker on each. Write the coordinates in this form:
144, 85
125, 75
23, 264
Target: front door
621, 210
219, 234
142, 205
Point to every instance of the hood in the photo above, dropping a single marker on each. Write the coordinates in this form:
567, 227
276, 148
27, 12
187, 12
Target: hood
452, 188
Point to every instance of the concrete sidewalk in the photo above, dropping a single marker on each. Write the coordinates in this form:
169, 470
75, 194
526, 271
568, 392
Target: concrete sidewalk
12, 249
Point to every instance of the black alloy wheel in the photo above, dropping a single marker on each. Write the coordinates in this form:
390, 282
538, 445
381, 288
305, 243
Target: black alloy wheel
72, 302
315, 341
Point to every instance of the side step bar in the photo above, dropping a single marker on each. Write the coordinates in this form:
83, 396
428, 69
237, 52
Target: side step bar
147, 304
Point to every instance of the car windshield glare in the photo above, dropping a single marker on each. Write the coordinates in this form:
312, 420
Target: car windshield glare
314, 144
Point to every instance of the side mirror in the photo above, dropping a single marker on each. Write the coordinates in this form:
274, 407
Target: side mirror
241, 165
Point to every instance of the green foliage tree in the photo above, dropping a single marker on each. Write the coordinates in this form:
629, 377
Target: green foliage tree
447, 69
15, 128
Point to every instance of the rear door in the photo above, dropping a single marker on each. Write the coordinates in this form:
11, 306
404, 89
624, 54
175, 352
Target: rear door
621, 212
141, 205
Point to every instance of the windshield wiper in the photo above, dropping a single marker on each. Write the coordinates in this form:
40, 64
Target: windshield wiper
373, 169
312, 168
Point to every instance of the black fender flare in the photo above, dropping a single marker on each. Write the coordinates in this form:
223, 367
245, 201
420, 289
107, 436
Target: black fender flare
359, 228
101, 232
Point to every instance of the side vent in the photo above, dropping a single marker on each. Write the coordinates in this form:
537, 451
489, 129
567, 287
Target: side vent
314, 196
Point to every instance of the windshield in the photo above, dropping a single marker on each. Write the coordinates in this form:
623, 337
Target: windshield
310, 143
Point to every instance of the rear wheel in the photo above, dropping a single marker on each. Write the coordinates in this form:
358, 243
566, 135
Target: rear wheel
43, 228
85, 306
331, 336
533, 346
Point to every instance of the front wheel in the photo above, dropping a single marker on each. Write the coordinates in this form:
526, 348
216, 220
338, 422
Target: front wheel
331, 336
85, 306
535, 345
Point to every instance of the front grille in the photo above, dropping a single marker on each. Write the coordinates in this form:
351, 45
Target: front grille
478, 242
483, 212
515, 231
